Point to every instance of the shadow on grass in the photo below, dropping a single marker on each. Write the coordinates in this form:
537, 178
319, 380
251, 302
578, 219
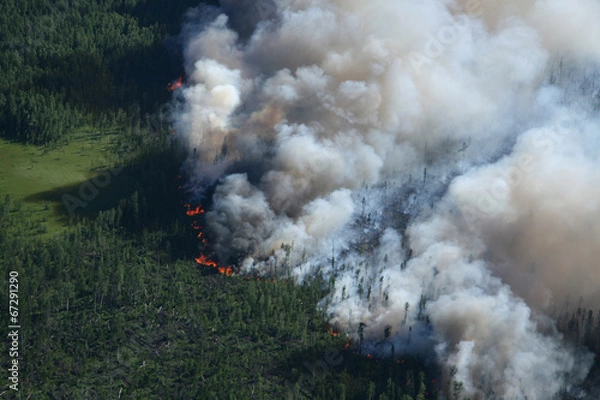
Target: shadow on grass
141, 199
144, 194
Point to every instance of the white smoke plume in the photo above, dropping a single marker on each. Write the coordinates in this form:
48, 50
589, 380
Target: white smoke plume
439, 158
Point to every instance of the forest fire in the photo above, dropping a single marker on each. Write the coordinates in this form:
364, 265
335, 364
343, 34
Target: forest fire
172, 86
228, 271
194, 211
313, 157
202, 259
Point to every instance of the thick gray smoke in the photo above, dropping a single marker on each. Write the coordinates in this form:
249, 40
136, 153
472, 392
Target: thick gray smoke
440, 158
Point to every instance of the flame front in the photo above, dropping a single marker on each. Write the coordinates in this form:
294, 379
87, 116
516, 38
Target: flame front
172, 86
202, 259
194, 211
206, 262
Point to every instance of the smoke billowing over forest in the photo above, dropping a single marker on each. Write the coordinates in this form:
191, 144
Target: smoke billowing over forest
439, 159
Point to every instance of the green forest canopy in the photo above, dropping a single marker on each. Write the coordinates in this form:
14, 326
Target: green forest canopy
115, 306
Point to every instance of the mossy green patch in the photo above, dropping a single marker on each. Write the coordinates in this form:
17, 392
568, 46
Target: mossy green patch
27, 171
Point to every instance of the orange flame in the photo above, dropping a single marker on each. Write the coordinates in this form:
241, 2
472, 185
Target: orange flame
227, 271
172, 86
203, 260
194, 211
332, 332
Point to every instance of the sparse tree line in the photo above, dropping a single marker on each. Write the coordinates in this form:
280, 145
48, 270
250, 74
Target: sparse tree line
581, 326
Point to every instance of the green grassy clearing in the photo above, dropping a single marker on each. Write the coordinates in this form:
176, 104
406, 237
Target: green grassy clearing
29, 174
